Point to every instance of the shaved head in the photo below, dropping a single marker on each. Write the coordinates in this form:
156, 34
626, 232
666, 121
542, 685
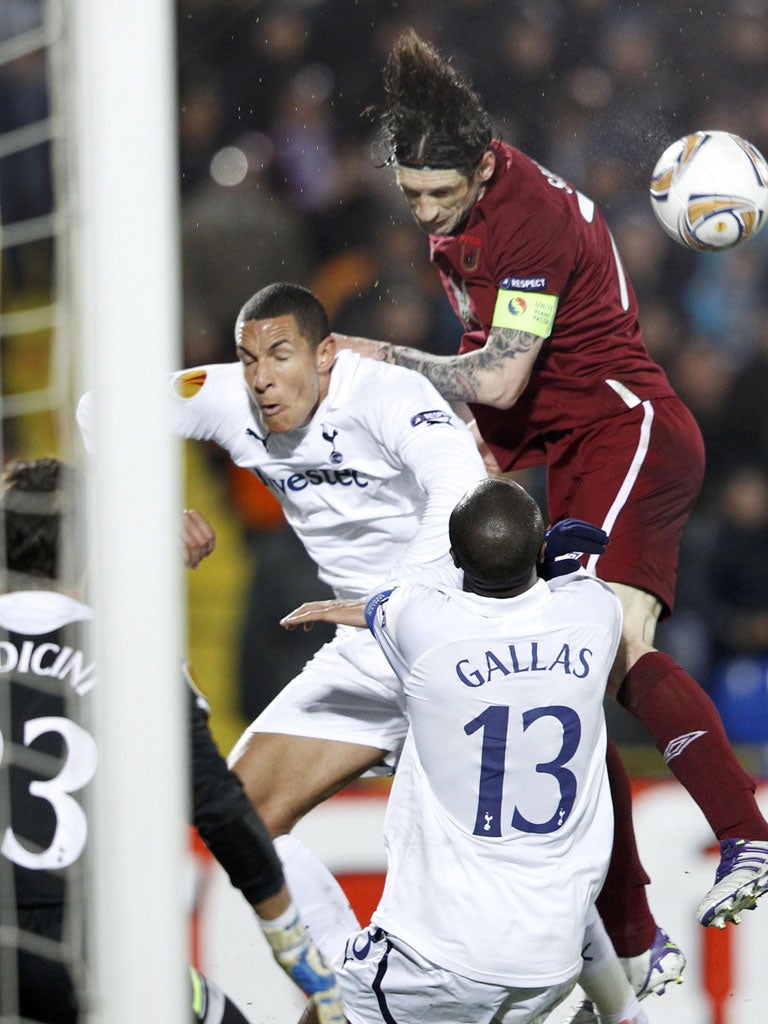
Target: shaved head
496, 533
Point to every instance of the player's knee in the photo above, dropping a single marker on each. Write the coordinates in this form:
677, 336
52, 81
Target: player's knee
260, 777
278, 816
271, 798
631, 650
641, 611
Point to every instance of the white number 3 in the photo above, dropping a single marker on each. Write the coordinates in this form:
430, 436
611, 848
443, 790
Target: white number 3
71, 824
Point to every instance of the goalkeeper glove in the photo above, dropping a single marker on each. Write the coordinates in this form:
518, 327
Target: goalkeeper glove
564, 542
302, 961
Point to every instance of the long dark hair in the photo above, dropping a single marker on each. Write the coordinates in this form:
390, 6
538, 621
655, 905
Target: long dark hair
432, 117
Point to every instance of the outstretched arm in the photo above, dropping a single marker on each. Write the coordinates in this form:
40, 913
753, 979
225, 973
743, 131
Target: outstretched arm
494, 375
338, 611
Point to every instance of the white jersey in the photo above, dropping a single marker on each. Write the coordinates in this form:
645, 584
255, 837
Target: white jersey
499, 825
368, 485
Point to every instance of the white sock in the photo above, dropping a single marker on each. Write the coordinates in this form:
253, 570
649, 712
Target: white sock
321, 901
602, 976
632, 1013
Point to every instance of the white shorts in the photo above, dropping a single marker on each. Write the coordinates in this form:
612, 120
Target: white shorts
382, 978
346, 692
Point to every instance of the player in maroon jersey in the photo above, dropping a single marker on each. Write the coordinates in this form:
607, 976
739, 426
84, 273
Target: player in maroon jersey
554, 370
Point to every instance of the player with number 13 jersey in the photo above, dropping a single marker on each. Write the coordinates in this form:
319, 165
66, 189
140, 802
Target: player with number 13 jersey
499, 828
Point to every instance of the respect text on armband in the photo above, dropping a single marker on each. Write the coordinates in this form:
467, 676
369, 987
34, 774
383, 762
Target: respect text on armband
313, 478
523, 284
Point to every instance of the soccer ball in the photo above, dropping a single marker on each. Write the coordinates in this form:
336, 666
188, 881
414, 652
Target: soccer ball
709, 190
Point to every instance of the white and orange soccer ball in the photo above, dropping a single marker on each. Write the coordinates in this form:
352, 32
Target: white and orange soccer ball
709, 190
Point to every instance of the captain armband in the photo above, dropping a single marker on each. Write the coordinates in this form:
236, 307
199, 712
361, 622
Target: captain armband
532, 312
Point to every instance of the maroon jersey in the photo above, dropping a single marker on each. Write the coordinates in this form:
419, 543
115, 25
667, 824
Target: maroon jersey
531, 231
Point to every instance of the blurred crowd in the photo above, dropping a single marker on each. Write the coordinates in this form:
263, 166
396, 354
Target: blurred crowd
279, 179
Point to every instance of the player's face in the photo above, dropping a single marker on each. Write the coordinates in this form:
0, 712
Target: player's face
286, 377
440, 200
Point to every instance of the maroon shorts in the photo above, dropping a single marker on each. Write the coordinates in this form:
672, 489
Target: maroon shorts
637, 475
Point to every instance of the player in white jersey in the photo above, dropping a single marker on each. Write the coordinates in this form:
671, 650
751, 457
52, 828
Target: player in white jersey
499, 824
367, 461
366, 483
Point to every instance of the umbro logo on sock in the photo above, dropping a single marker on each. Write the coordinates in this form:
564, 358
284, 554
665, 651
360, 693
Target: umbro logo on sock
679, 743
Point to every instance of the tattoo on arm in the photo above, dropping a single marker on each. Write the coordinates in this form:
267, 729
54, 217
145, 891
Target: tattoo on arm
459, 377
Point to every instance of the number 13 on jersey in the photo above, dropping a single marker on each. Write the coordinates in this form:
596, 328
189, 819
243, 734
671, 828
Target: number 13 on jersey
494, 725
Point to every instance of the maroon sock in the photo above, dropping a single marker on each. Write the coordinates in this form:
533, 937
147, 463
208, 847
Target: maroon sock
687, 731
622, 903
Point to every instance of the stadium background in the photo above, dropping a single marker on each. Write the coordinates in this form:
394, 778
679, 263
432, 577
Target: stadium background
277, 180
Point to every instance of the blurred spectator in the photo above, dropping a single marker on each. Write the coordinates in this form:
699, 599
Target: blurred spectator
642, 106
701, 373
737, 574
399, 293
738, 59
513, 53
725, 297
686, 635
345, 224
663, 332
656, 272
353, 39
746, 425
201, 131
237, 236
304, 131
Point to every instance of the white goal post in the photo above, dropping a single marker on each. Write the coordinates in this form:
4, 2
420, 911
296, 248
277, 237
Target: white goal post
127, 288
